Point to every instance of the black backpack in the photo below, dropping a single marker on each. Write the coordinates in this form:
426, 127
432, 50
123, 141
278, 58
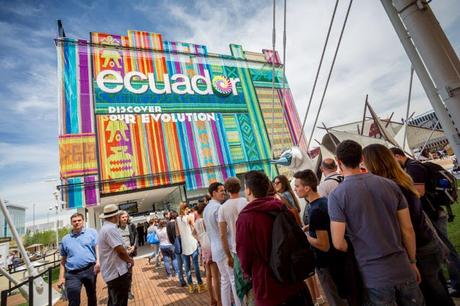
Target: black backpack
291, 258
338, 178
441, 185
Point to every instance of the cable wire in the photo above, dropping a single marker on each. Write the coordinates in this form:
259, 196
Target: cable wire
330, 73
273, 78
283, 89
317, 72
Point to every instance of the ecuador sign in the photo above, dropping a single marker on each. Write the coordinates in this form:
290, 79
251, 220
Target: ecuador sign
165, 112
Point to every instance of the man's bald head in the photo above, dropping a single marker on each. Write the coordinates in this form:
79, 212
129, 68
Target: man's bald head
328, 165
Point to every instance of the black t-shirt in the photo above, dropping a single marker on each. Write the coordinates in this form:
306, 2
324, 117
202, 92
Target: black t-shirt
416, 171
423, 234
318, 220
419, 175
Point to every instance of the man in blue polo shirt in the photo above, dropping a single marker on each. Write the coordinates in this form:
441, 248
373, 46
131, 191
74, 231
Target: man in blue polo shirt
79, 262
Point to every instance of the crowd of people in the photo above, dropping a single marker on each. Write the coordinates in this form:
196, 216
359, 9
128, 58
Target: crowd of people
371, 234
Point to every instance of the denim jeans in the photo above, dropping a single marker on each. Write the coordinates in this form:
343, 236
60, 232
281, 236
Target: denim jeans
433, 284
404, 294
73, 282
188, 271
453, 260
155, 254
180, 269
169, 258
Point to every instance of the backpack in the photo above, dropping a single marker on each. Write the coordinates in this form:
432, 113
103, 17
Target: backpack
441, 185
291, 258
152, 238
338, 178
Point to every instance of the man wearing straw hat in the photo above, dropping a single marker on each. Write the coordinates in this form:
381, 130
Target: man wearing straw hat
115, 261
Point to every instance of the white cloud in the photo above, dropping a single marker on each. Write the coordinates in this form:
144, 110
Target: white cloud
22, 9
37, 163
371, 59
36, 90
31, 155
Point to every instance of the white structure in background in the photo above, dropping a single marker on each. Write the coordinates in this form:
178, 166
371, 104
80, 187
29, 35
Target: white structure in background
43, 225
18, 215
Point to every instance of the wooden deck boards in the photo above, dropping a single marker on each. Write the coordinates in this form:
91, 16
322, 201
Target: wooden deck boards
151, 288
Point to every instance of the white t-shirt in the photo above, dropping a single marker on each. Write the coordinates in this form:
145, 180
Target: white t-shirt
228, 213
112, 266
124, 232
201, 233
189, 243
163, 236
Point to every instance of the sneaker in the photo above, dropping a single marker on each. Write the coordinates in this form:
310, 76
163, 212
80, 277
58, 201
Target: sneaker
320, 301
202, 288
182, 284
130, 296
191, 289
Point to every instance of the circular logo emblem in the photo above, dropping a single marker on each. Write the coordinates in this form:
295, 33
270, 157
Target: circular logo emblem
221, 85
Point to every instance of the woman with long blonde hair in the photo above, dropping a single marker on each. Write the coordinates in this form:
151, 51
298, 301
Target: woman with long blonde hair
185, 225
380, 161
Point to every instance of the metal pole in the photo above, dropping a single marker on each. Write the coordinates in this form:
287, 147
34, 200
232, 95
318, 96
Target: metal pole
4, 301
436, 51
408, 107
50, 286
11, 279
31, 291
364, 115
16, 237
56, 220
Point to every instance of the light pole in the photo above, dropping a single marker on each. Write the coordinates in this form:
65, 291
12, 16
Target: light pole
56, 207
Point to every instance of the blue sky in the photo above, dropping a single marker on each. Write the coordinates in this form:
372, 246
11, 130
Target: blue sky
371, 61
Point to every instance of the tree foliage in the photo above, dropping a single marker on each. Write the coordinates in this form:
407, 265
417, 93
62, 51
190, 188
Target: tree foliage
45, 237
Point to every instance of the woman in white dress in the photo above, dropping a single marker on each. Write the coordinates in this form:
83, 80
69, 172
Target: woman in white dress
184, 223
212, 271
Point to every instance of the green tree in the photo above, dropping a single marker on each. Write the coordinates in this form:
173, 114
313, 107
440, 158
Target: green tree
45, 237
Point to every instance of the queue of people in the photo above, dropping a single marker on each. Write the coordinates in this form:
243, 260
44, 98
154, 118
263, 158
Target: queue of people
366, 238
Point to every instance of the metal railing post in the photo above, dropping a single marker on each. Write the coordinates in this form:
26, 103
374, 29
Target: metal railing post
31, 290
4, 298
50, 286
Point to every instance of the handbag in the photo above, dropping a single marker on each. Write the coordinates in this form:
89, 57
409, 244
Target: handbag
152, 238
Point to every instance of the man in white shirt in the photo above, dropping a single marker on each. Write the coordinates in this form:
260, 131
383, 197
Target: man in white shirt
210, 215
115, 262
331, 178
228, 213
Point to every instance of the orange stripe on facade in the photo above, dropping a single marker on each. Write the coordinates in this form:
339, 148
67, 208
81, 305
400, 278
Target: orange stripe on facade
127, 57
155, 161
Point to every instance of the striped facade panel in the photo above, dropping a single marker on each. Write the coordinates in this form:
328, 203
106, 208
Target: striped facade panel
200, 117
275, 121
77, 149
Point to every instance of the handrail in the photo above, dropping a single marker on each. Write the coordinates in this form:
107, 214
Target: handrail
30, 282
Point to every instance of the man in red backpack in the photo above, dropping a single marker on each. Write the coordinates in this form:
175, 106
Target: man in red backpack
254, 242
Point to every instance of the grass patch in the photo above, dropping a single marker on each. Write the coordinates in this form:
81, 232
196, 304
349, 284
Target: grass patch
453, 228
54, 275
